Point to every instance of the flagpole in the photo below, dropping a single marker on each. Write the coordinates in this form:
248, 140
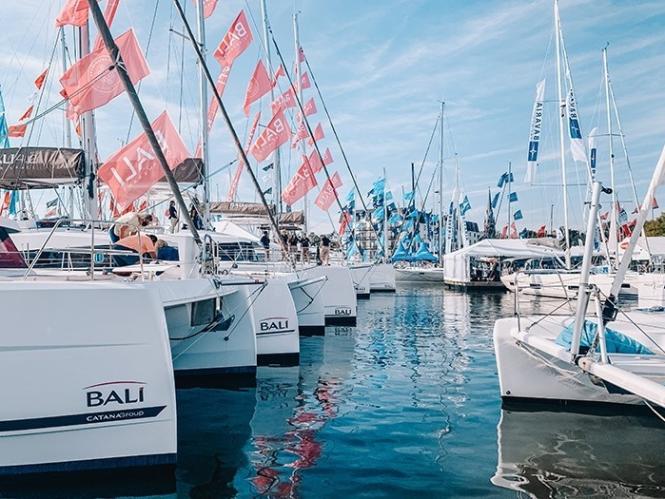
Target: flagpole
276, 157
562, 146
510, 193
441, 186
203, 113
89, 141
385, 219
67, 135
614, 243
298, 75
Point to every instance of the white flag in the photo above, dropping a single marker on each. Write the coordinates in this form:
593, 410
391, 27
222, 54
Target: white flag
534, 134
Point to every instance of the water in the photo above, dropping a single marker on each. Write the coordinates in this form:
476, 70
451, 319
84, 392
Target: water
404, 405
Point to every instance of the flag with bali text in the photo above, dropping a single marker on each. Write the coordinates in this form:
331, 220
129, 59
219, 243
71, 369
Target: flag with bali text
90, 83
534, 134
284, 101
276, 133
259, 85
134, 169
233, 188
328, 193
235, 41
300, 184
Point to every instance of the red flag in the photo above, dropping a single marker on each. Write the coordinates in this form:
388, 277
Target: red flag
318, 134
234, 43
16, 131
109, 16
275, 134
301, 131
75, 12
654, 204
504, 232
284, 101
280, 72
27, 114
513, 231
241, 165
301, 55
310, 107
134, 169
304, 81
302, 182
327, 157
208, 7
315, 162
39, 82
345, 219
328, 194
220, 85
5, 202
542, 231
89, 83
259, 85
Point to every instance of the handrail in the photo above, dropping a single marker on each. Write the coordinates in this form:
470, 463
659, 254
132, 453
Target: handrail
41, 250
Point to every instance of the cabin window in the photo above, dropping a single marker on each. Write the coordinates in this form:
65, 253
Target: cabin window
203, 312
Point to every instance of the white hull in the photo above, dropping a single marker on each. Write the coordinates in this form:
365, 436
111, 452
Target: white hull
528, 372
339, 295
361, 275
382, 278
564, 285
87, 376
418, 274
307, 297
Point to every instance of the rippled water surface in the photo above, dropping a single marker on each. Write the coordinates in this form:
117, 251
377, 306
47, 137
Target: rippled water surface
404, 405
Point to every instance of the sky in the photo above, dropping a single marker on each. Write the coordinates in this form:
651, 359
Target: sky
383, 67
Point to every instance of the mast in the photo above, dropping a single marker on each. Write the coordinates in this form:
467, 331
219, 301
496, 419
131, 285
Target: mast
614, 243
296, 38
441, 187
67, 131
277, 169
510, 192
203, 113
562, 116
385, 219
90, 204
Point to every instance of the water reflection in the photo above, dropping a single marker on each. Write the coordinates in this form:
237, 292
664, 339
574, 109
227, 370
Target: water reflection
562, 454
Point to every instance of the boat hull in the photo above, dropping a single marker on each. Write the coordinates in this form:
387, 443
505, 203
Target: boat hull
382, 278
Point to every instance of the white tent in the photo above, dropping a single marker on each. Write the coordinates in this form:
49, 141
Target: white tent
457, 268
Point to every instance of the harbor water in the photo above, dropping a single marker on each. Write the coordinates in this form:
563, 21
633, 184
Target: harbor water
404, 405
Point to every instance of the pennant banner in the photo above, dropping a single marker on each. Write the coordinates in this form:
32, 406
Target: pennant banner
233, 188
301, 183
134, 169
275, 134
280, 72
592, 152
234, 43
259, 85
576, 142
39, 81
318, 135
534, 134
327, 195
284, 101
75, 13
89, 84
208, 7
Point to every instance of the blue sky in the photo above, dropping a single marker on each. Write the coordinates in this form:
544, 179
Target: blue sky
383, 66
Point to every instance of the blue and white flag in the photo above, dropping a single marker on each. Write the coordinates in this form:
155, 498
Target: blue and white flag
408, 196
518, 215
495, 199
464, 206
513, 197
505, 178
534, 134
592, 152
576, 142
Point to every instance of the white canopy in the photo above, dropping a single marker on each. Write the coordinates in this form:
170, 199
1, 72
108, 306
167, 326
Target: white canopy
656, 248
456, 266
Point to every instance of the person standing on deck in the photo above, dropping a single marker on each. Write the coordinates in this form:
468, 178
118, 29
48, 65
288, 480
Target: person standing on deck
304, 246
128, 225
173, 217
325, 250
265, 242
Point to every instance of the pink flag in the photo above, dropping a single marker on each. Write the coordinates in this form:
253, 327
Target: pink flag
90, 84
328, 194
220, 85
275, 134
327, 157
301, 55
109, 15
304, 81
75, 12
344, 222
504, 232
134, 169
301, 132
310, 107
315, 162
241, 164
16, 131
513, 231
318, 134
27, 114
284, 101
301, 183
259, 85
208, 7
234, 43
39, 82
280, 72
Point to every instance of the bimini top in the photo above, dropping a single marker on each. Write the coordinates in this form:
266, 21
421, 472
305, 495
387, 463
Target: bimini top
40, 167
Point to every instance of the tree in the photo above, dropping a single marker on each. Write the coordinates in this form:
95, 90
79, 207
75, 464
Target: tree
655, 227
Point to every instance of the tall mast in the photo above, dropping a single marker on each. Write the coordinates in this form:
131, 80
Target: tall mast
90, 203
510, 192
614, 243
441, 187
562, 117
385, 219
67, 130
296, 38
277, 169
203, 112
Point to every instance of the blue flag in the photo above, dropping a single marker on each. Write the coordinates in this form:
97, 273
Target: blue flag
518, 215
513, 197
464, 206
408, 196
4, 133
495, 200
